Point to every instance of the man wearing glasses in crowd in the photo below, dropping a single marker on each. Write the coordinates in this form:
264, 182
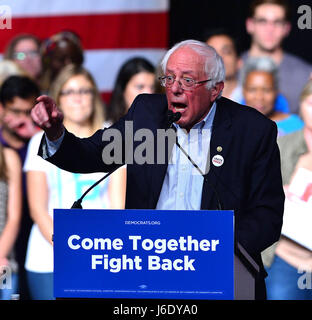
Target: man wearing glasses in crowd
245, 178
268, 25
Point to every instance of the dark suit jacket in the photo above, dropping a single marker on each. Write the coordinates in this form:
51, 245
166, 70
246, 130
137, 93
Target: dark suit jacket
248, 182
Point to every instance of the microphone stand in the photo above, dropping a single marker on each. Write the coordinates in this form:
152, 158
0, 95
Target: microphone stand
171, 118
77, 203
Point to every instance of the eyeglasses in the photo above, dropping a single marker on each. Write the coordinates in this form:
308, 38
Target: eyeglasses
19, 112
279, 23
80, 92
22, 55
185, 83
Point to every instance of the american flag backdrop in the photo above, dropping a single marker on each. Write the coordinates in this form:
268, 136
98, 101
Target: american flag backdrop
111, 31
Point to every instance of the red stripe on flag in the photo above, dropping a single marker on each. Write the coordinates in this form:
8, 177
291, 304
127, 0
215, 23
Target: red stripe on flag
106, 96
104, 31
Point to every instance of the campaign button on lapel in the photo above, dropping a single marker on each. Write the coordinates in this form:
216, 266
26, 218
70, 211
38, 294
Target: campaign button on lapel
217, 161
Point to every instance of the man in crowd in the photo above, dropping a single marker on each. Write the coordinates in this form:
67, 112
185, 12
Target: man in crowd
245, 178
17, 97
225, 45
268, 25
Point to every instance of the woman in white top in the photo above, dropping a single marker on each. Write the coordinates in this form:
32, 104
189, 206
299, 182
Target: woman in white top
49, 187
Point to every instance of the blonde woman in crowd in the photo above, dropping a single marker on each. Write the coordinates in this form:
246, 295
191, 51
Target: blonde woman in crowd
49, 187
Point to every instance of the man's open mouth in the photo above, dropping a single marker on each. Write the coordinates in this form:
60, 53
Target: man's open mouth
178, 107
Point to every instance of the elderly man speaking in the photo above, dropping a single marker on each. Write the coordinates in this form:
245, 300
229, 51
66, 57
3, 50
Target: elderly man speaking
237, 155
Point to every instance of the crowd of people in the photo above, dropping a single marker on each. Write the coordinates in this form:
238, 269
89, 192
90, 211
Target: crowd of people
32, 67
265, 77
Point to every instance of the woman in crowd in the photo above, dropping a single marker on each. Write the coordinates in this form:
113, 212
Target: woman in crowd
260, 90
10, 216
24, 49
290, 257
48, 187
59, 50
136, 76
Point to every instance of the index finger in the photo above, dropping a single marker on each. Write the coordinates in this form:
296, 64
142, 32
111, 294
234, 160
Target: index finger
48, 103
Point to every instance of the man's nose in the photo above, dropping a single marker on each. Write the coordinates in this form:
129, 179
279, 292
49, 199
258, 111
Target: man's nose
258, 95
176, 87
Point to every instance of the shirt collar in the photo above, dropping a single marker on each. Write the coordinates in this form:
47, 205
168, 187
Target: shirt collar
205, 123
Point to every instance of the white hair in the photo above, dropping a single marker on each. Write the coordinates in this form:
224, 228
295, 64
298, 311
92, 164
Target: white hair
214, 66
264, 64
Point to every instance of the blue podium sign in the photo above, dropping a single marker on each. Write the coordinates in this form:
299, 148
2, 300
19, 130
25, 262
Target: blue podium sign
144, 254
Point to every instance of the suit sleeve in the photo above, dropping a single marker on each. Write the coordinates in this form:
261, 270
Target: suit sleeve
260, 225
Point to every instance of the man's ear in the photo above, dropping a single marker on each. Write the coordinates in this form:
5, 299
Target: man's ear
217, 89
250, 26
287, 29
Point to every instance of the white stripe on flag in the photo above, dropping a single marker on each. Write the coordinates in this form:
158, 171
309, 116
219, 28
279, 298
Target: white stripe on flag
36, 8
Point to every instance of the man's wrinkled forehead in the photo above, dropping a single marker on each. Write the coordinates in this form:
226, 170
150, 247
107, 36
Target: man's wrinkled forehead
185, 60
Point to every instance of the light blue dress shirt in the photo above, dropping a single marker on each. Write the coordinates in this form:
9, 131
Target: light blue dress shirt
183, 184
52, 146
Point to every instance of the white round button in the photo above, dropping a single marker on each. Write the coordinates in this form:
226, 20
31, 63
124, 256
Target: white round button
217, 161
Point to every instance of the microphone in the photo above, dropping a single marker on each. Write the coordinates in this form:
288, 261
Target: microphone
172, 117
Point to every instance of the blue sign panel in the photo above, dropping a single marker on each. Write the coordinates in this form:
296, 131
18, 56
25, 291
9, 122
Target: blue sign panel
148, 254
